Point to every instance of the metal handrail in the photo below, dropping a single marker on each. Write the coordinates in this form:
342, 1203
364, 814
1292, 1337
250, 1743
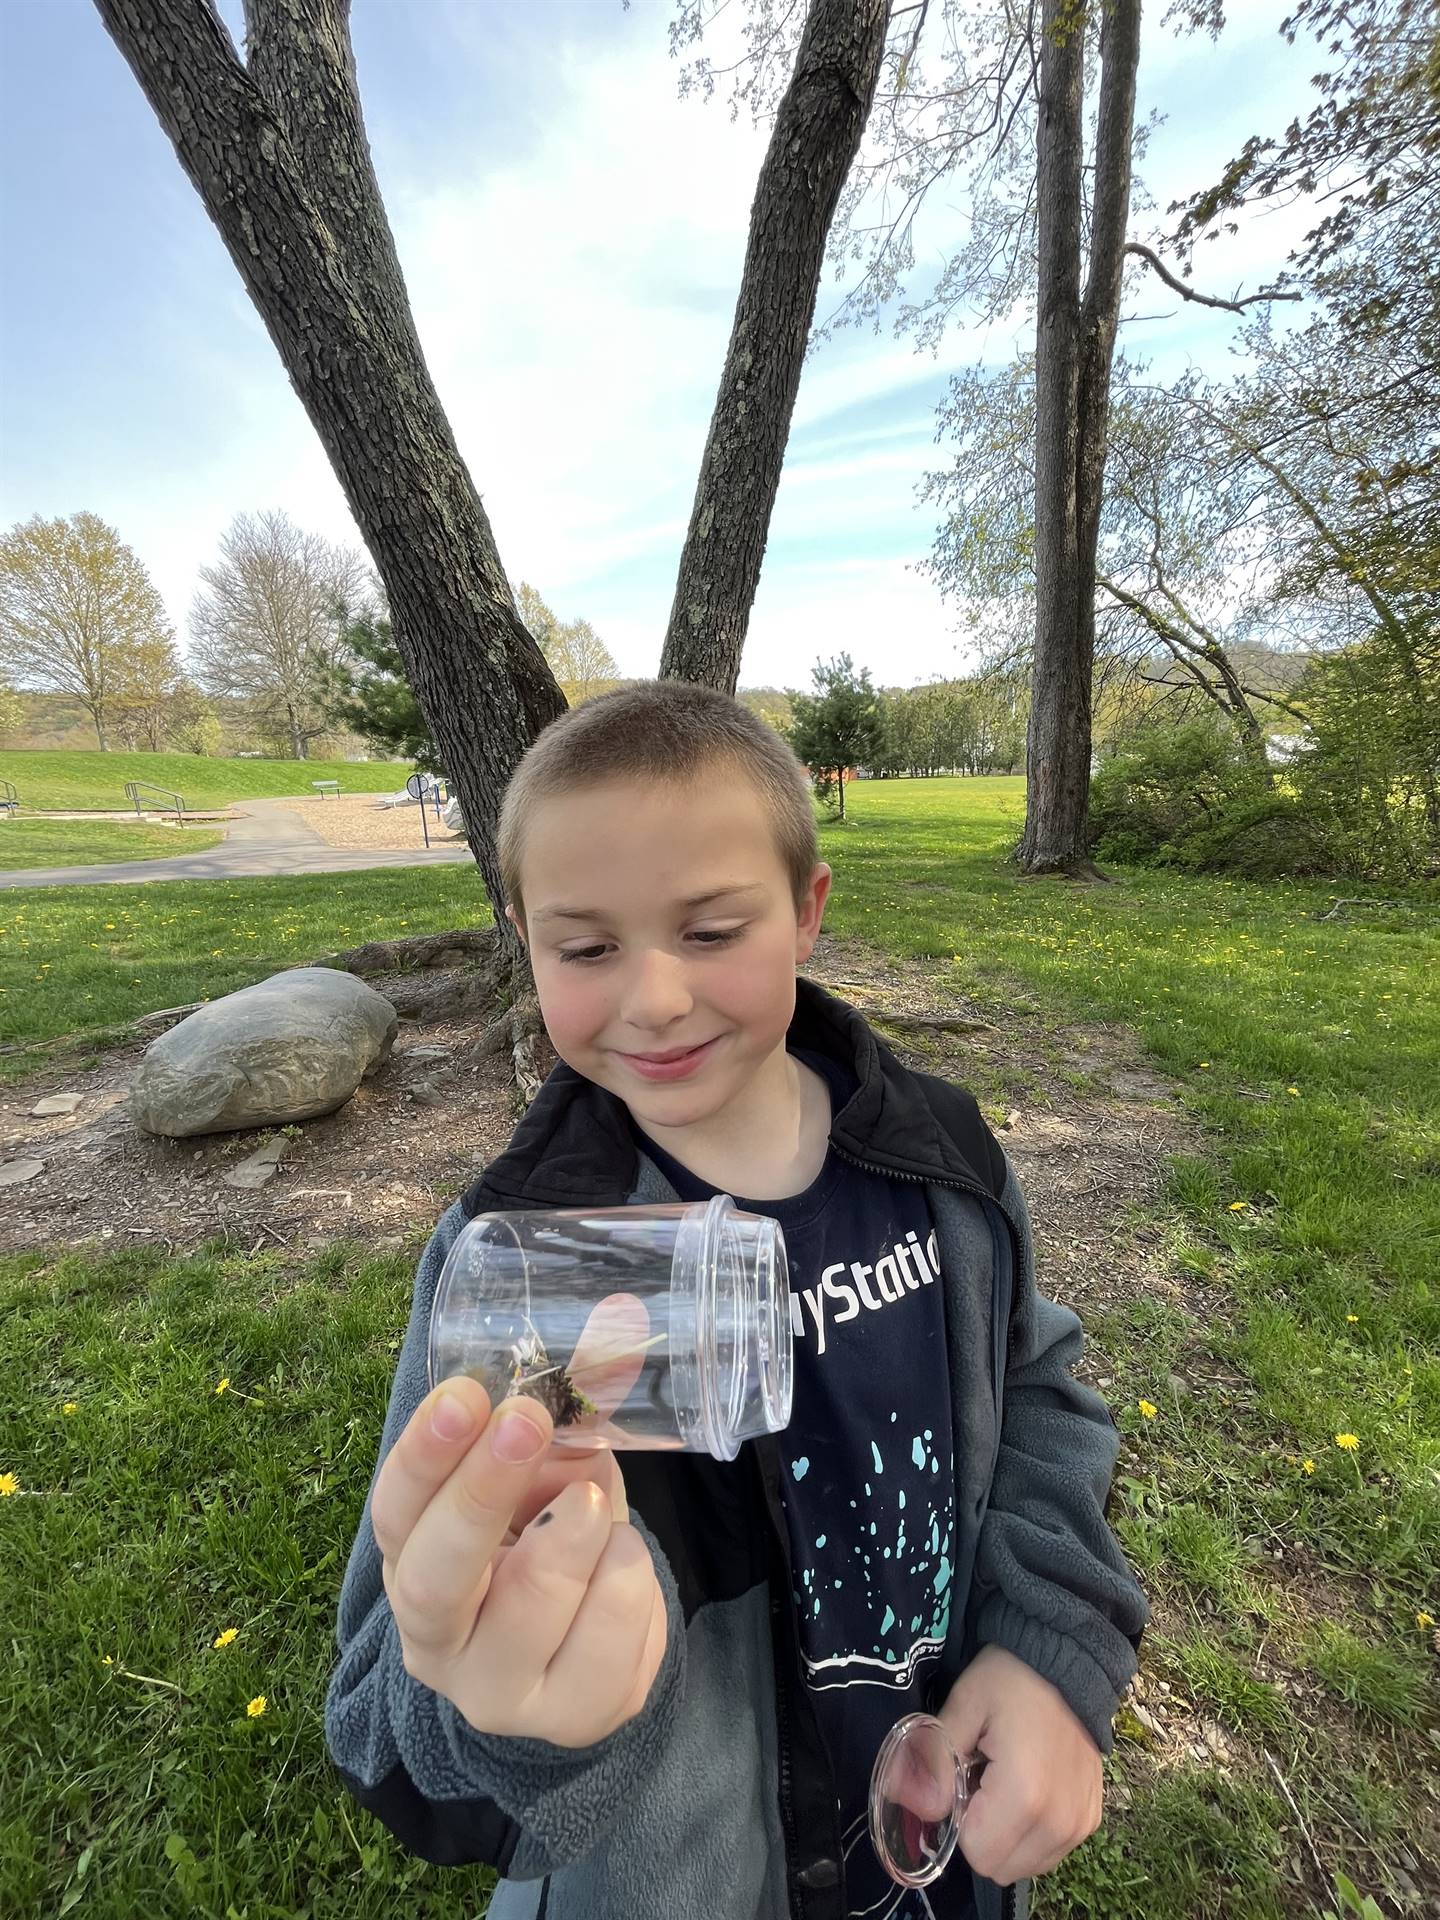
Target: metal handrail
9, 799
133, 790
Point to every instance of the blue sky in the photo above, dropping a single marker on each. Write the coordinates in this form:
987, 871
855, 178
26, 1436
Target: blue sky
572, 235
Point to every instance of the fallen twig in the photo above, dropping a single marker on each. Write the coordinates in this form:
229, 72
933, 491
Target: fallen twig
1285, 1789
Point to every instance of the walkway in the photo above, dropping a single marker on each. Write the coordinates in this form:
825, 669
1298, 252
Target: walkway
265, 841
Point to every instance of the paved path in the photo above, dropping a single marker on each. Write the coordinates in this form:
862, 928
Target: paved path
267, 839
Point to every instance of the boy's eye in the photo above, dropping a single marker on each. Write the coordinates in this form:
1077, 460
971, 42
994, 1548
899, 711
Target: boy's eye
717, 936
582, 953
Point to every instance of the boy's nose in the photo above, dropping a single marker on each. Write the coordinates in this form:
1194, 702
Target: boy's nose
656, 993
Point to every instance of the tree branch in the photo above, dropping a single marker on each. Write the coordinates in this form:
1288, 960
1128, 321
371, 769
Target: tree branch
1153, 259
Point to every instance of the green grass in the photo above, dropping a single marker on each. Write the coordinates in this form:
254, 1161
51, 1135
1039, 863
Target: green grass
57, 780
93, 957
83, 843
1296, 1212
153, 1518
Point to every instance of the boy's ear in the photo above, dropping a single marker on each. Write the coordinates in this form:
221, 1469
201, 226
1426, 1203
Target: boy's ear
518, 925
811, 913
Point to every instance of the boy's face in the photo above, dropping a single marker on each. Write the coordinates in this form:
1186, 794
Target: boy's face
671, 1000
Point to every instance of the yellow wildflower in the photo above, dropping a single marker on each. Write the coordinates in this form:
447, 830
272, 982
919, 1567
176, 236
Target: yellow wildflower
1347, 1442
106, 1661
223, 1384
224, 1639
71, 1406
9, 1483
1307, 1466
1423, 1619
1239, 1206
1204, 1066
1148, 1408
1293, 1090
256, 1706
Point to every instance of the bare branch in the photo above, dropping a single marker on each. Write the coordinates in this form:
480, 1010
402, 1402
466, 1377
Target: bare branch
1153, 259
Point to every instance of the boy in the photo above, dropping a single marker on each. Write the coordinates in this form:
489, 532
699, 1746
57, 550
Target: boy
659, 1692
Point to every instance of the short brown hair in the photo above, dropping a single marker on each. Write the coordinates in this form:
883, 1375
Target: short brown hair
665, 731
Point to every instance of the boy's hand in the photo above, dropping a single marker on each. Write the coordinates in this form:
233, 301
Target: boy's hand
520, 1590
1042, 1790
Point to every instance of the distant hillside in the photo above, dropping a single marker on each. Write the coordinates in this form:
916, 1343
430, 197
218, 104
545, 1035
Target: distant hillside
56, 781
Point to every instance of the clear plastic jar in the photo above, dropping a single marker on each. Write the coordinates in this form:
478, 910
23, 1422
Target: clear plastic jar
664, 1326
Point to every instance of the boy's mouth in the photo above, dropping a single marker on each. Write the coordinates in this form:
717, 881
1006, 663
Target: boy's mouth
674, 1064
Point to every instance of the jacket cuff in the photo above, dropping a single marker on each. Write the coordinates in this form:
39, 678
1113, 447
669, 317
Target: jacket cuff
563, 1798
1090, 1690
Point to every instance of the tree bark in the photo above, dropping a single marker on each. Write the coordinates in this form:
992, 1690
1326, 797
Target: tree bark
1058, 773
279, 157
1073, 413
818, 130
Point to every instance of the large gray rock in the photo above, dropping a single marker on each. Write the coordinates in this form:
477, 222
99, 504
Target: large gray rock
294, 1046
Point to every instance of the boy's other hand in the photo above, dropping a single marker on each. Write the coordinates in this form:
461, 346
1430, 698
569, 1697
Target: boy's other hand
519, 1588
1042, 1790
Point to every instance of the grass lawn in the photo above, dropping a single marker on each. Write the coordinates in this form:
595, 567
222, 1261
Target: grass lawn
64, 779
94, 957
1294, 1577
84, 843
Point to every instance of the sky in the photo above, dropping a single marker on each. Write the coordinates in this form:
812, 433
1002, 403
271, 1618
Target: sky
572, 235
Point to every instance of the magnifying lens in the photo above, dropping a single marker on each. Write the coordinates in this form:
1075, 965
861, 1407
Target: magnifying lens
919, 1790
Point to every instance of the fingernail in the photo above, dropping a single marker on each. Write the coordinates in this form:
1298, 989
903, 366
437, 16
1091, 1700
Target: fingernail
450, 1417
516, 1437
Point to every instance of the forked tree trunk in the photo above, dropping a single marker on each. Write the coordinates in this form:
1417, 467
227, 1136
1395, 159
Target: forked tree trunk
818, 130
1074, 351
278, 154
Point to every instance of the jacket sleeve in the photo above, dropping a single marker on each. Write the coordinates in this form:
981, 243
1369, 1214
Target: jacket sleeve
1051, 1583
448, 1793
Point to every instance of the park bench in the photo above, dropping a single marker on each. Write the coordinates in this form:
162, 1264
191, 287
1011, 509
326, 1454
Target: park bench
328, 788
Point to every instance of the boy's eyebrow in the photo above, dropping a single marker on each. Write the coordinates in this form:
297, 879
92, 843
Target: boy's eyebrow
696, 900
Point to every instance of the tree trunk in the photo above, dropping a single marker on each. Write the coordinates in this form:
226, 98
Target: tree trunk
840, 782
818, 129
97, 714
279, 157
1059, 741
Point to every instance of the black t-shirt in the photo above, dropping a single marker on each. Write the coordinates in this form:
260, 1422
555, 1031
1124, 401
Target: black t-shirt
867, 1474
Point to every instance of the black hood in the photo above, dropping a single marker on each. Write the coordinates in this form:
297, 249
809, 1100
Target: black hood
575, 1146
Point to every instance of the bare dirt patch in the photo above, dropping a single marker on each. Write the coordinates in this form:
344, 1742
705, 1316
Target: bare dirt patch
391, 1159
354, 820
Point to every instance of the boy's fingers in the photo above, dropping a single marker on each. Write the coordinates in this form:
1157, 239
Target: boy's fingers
560, 1469
996, 1830
422, 1459
535, 1597
599, 1663
441, 1575
609, 1356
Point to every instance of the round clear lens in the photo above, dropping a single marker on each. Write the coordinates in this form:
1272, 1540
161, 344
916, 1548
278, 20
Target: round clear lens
918, 1791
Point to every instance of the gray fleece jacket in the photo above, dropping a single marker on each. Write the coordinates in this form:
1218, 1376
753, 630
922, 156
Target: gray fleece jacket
717, 1801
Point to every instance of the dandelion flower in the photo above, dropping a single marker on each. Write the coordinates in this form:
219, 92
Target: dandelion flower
106, 1661
1353, 1318
1307, 1466
71, 1406
223, 1384
224, 1639
1204, 1066
256, 1706
1239, 1206
1147, 1407
1423, 1619
1347, 1442
8, 1483
1294, 1091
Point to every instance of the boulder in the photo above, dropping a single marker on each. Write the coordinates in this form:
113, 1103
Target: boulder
293, 1047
